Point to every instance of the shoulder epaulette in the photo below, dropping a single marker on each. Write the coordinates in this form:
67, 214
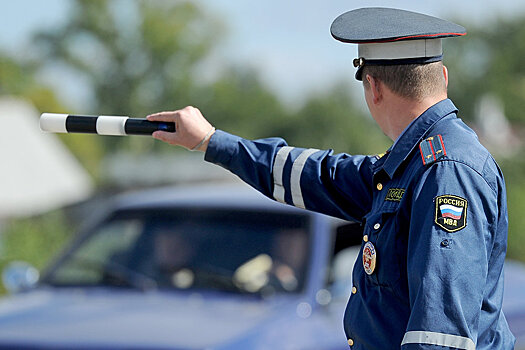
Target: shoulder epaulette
432, 149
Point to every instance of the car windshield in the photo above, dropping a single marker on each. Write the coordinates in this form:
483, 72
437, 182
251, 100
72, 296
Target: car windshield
229, 250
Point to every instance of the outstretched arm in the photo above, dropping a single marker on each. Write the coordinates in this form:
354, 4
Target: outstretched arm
338, 185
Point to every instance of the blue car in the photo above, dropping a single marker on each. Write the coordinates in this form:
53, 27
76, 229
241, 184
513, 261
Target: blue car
217, 267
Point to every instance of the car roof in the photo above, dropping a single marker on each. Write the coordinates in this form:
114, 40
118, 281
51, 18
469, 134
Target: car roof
228, 196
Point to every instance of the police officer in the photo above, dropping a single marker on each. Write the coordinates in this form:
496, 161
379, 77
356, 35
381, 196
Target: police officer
429, 274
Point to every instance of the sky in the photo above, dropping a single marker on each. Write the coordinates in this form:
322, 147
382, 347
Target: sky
288, 41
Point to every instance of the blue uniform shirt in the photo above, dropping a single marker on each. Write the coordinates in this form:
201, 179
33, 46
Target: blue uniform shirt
430, 271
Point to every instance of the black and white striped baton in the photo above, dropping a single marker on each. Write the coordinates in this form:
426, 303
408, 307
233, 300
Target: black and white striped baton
102, 124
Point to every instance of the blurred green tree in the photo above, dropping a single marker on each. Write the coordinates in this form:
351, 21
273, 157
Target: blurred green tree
137, 57
151, 61
489, 62
239, 103
17, 78
331, 121
514, 171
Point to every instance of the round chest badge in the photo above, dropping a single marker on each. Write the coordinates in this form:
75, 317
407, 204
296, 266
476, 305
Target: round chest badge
369, 258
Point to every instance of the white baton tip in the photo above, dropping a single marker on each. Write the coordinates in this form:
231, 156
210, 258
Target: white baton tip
52, 122
111, 125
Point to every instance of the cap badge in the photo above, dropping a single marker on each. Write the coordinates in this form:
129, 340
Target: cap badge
359, 62
369, 258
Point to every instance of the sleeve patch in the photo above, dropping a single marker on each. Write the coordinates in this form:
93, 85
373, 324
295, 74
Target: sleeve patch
451, 212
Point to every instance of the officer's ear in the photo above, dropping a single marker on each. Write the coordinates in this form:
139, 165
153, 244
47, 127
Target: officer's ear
445, 75
376, 88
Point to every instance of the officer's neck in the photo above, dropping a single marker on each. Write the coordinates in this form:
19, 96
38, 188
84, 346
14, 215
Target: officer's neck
396, 112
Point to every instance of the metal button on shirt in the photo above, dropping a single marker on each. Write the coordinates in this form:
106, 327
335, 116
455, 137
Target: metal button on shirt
354, 290
365, 238
350, 342
379, 186
377, 226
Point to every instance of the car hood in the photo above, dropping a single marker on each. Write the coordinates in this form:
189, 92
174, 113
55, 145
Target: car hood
153, 320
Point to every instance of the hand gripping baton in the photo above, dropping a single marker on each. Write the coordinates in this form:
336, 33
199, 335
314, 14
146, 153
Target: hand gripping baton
102, 124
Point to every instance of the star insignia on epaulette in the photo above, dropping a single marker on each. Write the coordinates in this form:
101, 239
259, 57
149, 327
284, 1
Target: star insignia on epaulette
432, 149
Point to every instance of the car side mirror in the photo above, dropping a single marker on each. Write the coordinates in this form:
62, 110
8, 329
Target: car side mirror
18, 276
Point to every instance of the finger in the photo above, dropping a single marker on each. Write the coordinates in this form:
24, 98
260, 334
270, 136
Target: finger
155, 114
162, 117
165, 136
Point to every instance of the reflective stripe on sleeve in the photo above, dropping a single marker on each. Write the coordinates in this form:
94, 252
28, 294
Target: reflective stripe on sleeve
441, 339
295, 178
278, 167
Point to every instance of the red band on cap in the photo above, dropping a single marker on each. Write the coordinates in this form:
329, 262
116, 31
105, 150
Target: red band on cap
413, 37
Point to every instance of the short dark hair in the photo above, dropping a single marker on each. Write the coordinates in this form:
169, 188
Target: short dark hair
413, 81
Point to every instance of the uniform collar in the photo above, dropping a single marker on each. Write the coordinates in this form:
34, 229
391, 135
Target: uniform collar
414, 134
